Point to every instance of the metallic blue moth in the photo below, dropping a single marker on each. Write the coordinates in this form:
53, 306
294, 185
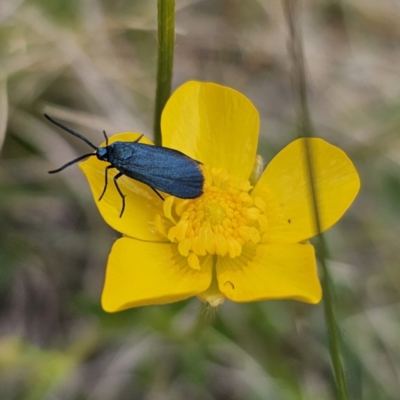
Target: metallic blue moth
160, 168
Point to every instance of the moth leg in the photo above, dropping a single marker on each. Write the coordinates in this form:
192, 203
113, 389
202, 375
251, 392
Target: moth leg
106, 181
138, 139
157, 193
116, 177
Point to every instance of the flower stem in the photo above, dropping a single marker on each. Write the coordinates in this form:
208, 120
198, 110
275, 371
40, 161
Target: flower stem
166, 39
305, 129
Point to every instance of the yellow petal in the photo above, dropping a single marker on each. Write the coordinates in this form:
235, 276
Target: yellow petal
145, 273
285, 188
142, 204
212, 124
268, 272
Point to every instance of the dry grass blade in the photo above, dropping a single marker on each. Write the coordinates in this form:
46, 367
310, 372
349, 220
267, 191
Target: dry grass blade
3, 110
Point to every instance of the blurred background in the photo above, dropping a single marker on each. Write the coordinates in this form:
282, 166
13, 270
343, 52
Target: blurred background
91, 64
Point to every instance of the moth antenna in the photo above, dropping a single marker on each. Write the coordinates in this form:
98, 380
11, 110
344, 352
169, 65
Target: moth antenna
71, 162
78, 135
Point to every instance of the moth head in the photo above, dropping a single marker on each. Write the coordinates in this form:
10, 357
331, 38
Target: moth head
102, 153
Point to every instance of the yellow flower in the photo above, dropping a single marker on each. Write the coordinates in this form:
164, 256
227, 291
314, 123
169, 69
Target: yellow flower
236, 241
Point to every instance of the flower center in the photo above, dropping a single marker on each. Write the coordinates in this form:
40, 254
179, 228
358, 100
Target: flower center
219, 222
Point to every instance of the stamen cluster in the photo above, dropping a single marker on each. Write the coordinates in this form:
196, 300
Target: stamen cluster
219, 222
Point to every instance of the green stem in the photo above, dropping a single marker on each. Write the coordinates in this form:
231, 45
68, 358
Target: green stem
205, 316
305, 129
165, 61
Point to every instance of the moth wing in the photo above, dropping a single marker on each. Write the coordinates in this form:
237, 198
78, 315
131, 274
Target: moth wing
166, 170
